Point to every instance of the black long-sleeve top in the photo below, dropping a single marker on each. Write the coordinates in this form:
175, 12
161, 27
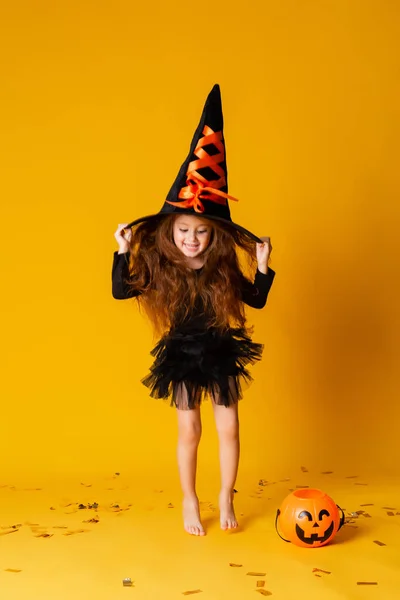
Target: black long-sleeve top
253, 294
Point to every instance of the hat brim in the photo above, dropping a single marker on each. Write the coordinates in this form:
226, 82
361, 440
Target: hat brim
212, 218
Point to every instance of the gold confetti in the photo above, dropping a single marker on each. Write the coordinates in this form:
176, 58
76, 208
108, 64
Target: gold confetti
60, 527
264, 592
315, 570
367, 583
304, 469
358, 483
255, 574
7, 532
72, 532
260, 583
367, 515
170, 505
263, 482
44, 535
379, 543
316, 575
327, 473
352, 477
366, 505
13, 570
190, 592
94, 520
234, 565
390, 513
388, 508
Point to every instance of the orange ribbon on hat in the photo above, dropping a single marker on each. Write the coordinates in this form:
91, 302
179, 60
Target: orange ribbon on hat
196, 183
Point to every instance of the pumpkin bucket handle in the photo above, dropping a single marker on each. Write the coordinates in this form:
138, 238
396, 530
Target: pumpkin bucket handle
278, 512
342, 518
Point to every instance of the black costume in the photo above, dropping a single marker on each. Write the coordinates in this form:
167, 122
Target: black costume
194, 359
203, 359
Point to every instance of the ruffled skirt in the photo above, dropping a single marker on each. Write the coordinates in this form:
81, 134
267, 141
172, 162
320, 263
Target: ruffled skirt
192, 364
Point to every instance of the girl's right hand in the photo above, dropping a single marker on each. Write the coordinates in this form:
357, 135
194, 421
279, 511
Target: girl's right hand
123, 237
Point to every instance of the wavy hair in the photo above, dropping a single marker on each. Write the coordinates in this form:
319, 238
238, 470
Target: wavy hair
170, 289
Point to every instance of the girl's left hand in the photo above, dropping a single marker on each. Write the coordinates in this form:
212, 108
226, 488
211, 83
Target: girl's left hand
264, 250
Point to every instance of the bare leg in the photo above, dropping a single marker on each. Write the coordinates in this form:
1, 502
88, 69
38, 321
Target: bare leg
189, 434
227, 423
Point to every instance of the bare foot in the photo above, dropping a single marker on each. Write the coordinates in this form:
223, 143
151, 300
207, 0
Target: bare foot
227, 513
191, 517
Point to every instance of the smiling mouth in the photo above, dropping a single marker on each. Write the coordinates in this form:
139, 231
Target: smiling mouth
192, 247
314, 536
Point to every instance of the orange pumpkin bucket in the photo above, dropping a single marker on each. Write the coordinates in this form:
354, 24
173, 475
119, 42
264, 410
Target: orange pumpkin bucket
309, 518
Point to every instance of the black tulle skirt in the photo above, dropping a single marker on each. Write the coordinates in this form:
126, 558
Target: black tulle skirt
192, 364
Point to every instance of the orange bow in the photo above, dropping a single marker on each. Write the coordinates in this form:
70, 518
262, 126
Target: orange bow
196, 183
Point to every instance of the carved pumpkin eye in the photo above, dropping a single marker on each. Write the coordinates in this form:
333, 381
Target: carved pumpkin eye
305, 513
323, 513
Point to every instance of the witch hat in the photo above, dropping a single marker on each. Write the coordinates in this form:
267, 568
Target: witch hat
201, 187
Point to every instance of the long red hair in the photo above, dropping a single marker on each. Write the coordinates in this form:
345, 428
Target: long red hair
170, 287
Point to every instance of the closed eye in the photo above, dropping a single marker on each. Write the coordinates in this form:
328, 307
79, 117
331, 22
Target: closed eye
305, 513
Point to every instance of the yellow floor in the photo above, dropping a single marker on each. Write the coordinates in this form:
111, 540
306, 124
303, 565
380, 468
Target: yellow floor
48, 549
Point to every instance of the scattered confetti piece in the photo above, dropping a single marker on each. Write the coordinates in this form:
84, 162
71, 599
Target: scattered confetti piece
13, 570
60, 527
315, 570
367, 515
10, 531
234, 565
260, 583
170, 505
358, 483
263, 482
264, 592
352, 477
284, 480
235, 491
301, 487
86, 484
366, 505
74, 531
117, 474
127, 582
190, 592
390, 513
304, 469
316, 575
255, 574
326, 472
93, 520
379, 543
44, 535
52, 508
388, 508
367, 583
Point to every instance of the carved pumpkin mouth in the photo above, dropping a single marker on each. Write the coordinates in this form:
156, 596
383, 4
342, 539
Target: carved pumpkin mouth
314, 536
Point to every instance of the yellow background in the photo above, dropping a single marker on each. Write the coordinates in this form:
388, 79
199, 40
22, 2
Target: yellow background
99, 102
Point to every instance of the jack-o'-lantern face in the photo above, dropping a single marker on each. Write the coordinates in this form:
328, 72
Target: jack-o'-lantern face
309, 518
317, 528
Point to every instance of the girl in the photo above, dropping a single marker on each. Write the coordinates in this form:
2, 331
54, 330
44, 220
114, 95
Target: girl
182, 265
184, 270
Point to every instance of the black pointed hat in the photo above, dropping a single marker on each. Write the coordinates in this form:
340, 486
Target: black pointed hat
201, 187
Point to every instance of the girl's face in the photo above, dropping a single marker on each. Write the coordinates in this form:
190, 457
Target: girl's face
191, 235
